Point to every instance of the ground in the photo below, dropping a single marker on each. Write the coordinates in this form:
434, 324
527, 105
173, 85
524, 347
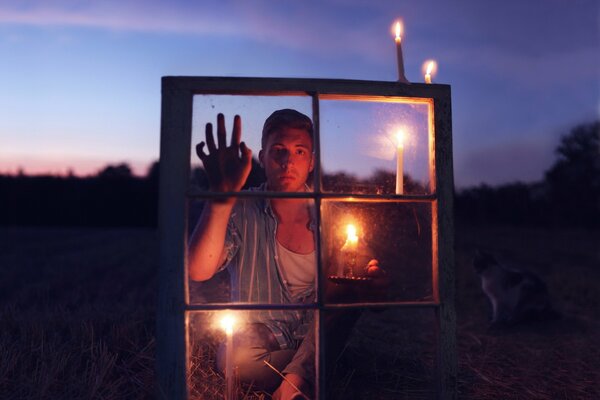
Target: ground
77, 316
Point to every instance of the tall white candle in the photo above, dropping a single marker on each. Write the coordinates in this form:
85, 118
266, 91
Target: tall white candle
400, 162
227, 323
399, 55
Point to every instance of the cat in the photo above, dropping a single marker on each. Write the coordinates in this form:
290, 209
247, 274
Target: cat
517, 296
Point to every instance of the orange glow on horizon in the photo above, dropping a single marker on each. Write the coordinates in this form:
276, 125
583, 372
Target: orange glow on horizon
15, 164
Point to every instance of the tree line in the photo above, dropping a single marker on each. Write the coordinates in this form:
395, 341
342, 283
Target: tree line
569, 194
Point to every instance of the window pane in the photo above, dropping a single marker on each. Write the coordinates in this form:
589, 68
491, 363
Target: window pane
359, 145
253, 111
383, 354
396, 234
255, 337
255, 266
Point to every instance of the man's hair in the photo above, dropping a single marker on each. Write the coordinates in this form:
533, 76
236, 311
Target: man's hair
286, 118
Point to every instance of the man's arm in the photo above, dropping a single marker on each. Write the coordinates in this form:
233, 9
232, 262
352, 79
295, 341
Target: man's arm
227, 168
206, 247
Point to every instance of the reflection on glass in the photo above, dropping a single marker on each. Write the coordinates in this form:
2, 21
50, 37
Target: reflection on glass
240, 354
361, 152
381, 354
375, 252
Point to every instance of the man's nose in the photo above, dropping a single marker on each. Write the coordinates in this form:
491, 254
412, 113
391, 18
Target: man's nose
285, 159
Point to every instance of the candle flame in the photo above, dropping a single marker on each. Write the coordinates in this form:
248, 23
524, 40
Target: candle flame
429, 67
400, 138
227, 323
351, 231
398, 30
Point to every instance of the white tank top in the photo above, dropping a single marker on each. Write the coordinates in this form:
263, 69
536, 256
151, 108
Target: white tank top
298, 269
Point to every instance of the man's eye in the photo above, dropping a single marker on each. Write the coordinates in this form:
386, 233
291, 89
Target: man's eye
300, 152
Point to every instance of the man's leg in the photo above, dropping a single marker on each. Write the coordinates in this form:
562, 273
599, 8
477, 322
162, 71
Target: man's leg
252, 346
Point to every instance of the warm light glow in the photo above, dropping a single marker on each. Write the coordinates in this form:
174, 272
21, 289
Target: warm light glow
429, 69
351, 231
398, 30
400, 138
227, 324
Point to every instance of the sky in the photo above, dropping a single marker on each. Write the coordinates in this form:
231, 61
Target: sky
80, 80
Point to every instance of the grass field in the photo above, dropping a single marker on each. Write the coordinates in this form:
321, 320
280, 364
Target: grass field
77, 321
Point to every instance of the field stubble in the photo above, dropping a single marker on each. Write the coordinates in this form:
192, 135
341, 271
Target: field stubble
77, 311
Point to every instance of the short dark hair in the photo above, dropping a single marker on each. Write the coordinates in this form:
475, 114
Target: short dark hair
286, 118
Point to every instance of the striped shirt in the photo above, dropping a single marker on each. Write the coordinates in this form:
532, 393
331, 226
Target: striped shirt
256, 274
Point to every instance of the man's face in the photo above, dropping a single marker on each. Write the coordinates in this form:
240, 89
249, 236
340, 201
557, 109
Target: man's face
287, 159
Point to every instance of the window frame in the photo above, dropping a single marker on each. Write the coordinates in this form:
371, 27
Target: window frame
175, 144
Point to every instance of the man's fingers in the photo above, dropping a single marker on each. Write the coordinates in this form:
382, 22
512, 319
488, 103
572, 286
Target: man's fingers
200, 150
210, 139
221, 133
246, 153
236, 135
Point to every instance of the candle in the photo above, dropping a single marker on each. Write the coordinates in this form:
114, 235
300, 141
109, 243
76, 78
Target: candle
349, 251
400, 57
227, 323
429, 67
400, 162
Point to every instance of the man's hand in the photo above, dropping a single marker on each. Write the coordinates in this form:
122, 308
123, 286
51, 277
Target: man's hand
227, 167
287, 391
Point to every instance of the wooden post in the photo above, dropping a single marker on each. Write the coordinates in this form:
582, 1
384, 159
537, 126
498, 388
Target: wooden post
171, 338
443, 232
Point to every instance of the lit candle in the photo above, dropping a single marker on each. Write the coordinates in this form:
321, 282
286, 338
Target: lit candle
429, 67
400, 162
227, 323
400, 57
349, 251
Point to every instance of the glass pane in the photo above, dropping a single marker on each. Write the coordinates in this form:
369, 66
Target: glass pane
253, 111
360, 148
256, 264
382, 354
236, 344
395, 234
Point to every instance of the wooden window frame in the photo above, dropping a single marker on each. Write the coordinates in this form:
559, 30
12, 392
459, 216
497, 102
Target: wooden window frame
175, 145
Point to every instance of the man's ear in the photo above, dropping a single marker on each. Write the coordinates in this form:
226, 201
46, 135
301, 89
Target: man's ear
312, 162
260, 159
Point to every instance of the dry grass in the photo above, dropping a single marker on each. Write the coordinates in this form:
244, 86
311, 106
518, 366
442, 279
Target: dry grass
77, 318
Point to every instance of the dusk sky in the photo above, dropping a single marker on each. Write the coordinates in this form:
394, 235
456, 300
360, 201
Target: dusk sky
80, 80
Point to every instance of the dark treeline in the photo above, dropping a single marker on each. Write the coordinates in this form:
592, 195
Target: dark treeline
569, 194
113, 197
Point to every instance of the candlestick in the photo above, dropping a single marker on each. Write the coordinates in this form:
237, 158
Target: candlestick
399, 55
400, 163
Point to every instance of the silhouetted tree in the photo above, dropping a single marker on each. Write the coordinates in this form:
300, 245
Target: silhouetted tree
153, 172
119, 171
574, 179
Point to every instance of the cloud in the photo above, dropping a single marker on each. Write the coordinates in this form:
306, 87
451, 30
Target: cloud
523, 160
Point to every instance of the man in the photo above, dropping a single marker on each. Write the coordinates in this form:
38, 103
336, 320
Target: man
268, 246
